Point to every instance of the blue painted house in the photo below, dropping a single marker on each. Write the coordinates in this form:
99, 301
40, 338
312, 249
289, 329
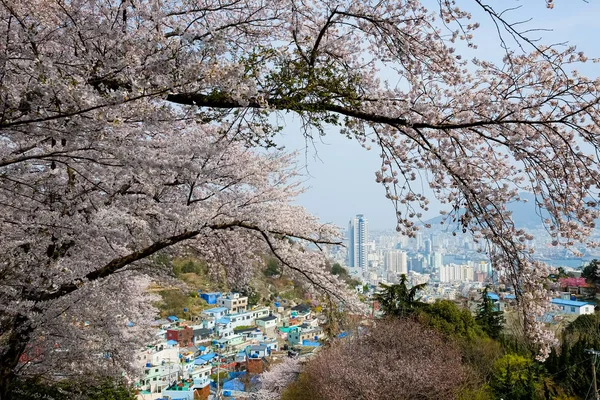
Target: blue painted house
210, 298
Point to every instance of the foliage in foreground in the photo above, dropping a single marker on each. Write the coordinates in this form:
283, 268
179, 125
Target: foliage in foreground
394, 359
491, 369
101, 389
570, 363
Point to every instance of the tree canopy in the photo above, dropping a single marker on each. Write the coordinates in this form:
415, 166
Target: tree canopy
591, 273
398, 300
394, 359
128, 127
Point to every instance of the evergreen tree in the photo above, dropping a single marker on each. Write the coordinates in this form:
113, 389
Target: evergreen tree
488, 317
399, 300
446, 317
590, 272
571, 367
514, 377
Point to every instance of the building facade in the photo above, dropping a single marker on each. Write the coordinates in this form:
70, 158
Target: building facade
233, 302
358, 237
573, 306
396, 261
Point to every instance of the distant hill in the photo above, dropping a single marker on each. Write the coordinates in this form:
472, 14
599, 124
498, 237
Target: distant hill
524, 214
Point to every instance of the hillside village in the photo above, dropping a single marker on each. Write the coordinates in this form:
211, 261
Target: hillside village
224, 348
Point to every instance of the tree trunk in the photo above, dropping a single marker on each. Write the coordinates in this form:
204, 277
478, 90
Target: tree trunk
18, 336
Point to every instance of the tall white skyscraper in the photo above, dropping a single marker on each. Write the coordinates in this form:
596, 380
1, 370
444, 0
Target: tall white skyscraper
358, 237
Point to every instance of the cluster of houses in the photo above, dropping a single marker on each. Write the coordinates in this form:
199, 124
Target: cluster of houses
568, 303
230, 340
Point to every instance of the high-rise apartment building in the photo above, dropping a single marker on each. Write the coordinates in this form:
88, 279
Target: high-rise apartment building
396, 261
436, 260
454, 273
358, 238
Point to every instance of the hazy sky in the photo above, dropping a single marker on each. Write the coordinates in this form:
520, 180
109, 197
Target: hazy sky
340, 174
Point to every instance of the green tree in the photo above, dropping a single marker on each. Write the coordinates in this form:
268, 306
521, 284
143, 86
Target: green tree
447, 318
273, 269
252, 294
560, 273
337, 269
571, 364
488, 317
590, 272
192, 267
399, 300
514, 377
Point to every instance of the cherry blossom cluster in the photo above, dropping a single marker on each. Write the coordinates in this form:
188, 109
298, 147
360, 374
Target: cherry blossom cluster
274, 381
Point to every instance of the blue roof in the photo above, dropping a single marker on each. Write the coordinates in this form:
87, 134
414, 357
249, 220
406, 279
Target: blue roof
234, 384
215, 310
171, 342
201, 348
342, 335
172, 318
510, 296
203, 359
223, 320
212, 293
571, 303
493, 296
310, 343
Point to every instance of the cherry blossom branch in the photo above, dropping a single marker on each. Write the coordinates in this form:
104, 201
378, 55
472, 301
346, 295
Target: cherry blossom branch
121, 262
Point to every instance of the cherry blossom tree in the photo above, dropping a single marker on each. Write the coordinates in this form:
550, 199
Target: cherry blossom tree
73, 274
395, 359
274, 381
127, 128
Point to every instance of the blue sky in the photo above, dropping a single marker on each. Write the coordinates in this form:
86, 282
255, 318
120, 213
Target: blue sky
339, 173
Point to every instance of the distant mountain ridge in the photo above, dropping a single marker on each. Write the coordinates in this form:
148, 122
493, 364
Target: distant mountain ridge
524, 213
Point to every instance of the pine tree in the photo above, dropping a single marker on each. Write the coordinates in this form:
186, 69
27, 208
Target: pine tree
399, 300
488, 317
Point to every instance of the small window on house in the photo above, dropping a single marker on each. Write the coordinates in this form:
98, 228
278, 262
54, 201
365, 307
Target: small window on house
572, 309
154, 378
156, 370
